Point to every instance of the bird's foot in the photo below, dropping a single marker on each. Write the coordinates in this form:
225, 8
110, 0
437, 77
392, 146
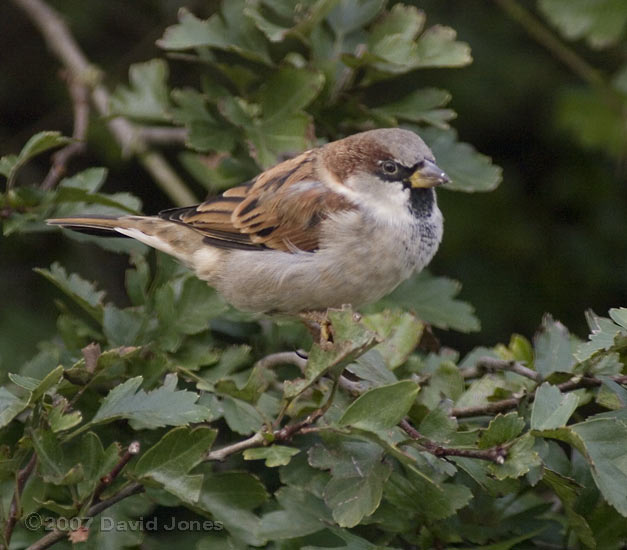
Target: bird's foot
319, 325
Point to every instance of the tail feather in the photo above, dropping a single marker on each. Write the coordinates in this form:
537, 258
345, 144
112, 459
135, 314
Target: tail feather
170, 237
100, 226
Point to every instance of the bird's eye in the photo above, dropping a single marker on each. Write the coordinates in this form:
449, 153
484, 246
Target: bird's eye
390, 167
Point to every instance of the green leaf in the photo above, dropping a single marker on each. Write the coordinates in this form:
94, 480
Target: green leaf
502, 428
241, 416
381, 408
521, 457
164, 406
400, 333
604, 441
437, 47
445, 381
603, 331
37, 144
228, 173
59, 421
7, 165
551, 408
567, 491
371, 368
469, 170
507, 544
41, 142
147, 97
351, 339
433, 300
205, 133
301, 514
122, 326
187, 308
416, 493
619, 315
94, 459
289, 90
169, 461
602, 22
10, 406
82, 292
229, 497
38, 388
89, 180
438, 425
82, 189
350, 15
358, 477
275, 455
230, 30
53, 462
272, 138
402, 20
553, 348
249, 389
420, 106
351, 499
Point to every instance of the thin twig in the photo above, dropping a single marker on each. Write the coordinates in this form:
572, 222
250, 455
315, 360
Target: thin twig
56, 535
79, 93
262, 438
14, 510
108, 479
256, 440
296, 359
496, 454
162, 135
282, 358
573, 384
63, 45
492, 364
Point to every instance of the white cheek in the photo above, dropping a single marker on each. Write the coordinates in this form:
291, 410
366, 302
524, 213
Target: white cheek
386, 200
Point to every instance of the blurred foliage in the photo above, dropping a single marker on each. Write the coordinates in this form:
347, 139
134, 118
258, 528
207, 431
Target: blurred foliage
331, 458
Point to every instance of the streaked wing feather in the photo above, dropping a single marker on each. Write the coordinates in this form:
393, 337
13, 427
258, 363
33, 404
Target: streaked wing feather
281, 209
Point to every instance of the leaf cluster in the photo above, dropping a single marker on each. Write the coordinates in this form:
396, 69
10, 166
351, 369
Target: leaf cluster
176, 404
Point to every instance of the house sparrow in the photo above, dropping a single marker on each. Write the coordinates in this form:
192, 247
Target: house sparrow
343, 223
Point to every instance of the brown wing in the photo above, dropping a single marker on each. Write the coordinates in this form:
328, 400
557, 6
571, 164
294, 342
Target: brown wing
281, 209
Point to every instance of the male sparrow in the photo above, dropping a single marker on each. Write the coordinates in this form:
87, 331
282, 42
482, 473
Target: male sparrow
343, 223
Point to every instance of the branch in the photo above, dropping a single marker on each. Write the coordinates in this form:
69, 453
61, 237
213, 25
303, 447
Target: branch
56, 535
262, 438
298, 360
496, 454
282, 358
162, 135
256, 440
79, 93
492, 364
14, 510
573, 384
108, 479
62, 44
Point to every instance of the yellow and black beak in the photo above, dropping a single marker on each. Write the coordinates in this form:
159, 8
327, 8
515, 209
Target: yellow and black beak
428, 174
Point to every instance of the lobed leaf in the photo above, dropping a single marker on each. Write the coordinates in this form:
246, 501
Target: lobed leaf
164, 406
169, 461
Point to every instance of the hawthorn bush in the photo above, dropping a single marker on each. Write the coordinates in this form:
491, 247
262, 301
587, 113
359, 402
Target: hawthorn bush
172, 418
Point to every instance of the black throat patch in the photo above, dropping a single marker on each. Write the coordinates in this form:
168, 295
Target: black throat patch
421, 201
